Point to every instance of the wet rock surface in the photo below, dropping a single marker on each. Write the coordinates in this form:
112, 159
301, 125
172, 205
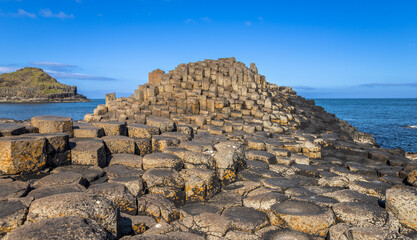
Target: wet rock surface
209, 150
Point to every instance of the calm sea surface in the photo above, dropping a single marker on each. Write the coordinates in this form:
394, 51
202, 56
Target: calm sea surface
26, 111
383, 118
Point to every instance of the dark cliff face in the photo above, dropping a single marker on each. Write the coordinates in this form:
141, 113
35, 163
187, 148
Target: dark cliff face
33, 84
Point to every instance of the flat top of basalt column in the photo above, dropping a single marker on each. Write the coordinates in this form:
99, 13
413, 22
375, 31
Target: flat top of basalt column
83, 228
52, 118
91, 173
45, 135
108, 123
10, 127
10, 207
116, 138
291, 207
18, 138
285, 234
138, 125
86, 144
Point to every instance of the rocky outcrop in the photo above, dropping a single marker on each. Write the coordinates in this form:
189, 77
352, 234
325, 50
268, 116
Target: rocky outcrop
34, 85
227, 95
244, 168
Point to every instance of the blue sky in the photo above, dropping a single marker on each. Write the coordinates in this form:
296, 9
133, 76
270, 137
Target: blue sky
320, 48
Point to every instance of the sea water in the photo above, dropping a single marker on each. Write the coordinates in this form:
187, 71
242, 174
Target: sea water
24, 111
392, 122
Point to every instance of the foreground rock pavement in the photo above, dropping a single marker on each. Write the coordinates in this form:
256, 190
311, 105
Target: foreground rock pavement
209, 150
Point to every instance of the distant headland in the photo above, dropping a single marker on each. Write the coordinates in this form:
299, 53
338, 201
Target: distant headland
33, 85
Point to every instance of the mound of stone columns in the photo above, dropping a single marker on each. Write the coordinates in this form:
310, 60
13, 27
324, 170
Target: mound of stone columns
207, 151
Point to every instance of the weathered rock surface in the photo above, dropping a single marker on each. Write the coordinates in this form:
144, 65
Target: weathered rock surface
128, 160
158, 207
118, 193
12, 215
46, 191
88, 152
63, 178
94, 207
403, 203
119, 144
61, 228
22, 154
209, 150
246, 219
12, 189
11, 129
91, 173
200, 184
162, 160
302, 217
53, 124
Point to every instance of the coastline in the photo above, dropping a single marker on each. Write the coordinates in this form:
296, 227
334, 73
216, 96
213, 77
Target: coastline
44, 100
250, 160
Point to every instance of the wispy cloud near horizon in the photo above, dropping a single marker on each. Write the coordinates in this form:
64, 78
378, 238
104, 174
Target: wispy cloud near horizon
64, 73
206, 19
199, 20
55, 66
78, 76
49, 14
189, 21
305, 88
7, 69
22, 13
375, 85
45, 13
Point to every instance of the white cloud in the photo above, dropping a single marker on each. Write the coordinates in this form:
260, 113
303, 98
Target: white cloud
60, 71
5, 69
23, 13
206, 19
260, 18
54, 65
80, 76
189, 21
248, 23
46, 13
49, 14
78, 1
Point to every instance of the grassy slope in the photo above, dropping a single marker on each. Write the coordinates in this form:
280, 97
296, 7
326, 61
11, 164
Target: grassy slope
33, 78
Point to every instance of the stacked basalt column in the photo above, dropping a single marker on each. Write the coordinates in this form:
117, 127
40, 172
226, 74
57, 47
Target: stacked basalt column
223, 93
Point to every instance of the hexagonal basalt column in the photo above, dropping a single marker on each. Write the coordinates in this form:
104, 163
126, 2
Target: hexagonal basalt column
10, 129
165, 125
142, 131
88, 152
21, 155
302, 217
53, 124
112, 128
119, 144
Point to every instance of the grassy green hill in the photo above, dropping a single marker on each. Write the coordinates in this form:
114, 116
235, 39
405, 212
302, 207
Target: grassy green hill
30, 77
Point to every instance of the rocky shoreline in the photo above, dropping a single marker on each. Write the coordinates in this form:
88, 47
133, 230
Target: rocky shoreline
210, 150
18, 100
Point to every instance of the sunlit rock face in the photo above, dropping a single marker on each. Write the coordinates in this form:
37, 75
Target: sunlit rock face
209, 150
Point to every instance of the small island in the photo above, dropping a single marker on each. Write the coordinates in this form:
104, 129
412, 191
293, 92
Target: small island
33, 85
